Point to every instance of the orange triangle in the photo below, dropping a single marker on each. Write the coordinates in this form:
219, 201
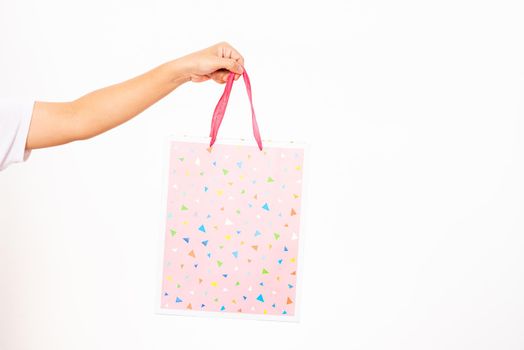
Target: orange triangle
248, 260
255, 196
209, 149
294, 273
293, 212
200, 280
255, 247
190, 307
191, 253
181, 266
222, 208
286, 225
289, 301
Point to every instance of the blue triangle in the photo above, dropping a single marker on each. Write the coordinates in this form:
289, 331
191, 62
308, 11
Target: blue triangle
205, 188
285, 249
196, 265
165, 294
280, 261
202, 228
265, 206
243, 296
260, 298
225, 275
262, 284
209, 255
239, 164
274, 305
238, 232
178, 300
203, 305
235, 254
290, 286
208, 216
205, 242
257, 233
186, 239
284, 312
250, 205
222, 308
215, 163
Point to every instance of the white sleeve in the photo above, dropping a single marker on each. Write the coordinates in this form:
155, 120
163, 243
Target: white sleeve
15, 118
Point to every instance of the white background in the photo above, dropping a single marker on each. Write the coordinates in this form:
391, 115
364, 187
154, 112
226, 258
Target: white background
414, 111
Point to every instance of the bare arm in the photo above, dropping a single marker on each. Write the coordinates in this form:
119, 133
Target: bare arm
56, 123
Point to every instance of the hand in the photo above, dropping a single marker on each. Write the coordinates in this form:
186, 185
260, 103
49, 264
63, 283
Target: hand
215, 62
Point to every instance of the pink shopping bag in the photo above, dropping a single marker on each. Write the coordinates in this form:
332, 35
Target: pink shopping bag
233, 225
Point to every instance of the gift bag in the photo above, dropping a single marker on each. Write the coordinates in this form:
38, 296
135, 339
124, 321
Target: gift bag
233, 224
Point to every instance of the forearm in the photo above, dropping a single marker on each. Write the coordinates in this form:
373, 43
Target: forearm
102, 109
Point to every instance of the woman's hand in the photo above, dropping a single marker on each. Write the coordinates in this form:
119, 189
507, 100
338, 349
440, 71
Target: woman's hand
215, 63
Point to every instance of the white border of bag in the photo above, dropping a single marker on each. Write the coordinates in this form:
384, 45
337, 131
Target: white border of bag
301, 241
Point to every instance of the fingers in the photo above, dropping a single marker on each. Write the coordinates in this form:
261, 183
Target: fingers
220, 76
227, 51
234, 54
230, 64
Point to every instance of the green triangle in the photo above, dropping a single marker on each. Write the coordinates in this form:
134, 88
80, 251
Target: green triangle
181, 159
173, 232
265, 272
277, 235
183, 207
219, 263
237, 284
270, 179
225, 171
178, 285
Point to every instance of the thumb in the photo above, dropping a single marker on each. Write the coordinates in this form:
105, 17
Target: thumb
229, 64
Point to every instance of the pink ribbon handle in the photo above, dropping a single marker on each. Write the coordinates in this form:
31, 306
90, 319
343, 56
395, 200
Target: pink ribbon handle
220, 109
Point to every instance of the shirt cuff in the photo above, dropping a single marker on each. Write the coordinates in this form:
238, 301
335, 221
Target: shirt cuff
21, 110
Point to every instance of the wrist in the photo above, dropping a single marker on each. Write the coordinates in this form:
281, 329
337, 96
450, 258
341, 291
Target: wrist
179, 71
